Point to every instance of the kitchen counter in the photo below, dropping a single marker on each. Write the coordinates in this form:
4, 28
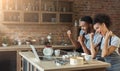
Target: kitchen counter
50, 65
26, 47
13, 53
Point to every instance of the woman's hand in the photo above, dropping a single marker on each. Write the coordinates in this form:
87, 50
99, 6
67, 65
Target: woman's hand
108, 35
93, 48
69, 33
91, 36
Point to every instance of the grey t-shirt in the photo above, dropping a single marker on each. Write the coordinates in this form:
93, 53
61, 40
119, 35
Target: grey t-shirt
96, 38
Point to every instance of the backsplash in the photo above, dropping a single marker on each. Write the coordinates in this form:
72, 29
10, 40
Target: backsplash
37, 33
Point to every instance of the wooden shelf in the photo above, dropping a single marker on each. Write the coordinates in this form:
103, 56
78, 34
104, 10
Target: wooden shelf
31, 11
65, 12
11, 10
10, 22
30, 23
48, 12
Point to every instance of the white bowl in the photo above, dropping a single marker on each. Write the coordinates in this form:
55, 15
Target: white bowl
4, 45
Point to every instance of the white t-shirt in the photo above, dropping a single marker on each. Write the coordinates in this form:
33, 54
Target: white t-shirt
114, 41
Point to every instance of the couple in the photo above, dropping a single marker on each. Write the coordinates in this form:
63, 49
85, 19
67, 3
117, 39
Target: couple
101, 42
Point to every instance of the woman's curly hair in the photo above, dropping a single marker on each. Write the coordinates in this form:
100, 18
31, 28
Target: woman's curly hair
102, 18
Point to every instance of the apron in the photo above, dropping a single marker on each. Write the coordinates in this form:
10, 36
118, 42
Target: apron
114, 60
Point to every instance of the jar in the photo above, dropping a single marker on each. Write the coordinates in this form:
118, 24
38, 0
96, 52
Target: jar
48, 51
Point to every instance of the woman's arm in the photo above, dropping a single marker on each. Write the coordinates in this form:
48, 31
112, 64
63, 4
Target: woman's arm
94, 50
107, 50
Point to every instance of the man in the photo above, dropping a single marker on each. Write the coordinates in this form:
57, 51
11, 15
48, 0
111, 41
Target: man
83, 42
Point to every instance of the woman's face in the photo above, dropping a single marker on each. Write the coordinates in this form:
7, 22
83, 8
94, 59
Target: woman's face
84, 26
99, 28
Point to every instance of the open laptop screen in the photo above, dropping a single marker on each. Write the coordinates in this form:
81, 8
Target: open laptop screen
35, 52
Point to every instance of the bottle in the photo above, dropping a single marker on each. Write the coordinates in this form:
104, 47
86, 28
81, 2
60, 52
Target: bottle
75, 24
49, 37
19, 42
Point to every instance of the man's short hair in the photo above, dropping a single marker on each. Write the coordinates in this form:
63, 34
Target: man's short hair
87, 19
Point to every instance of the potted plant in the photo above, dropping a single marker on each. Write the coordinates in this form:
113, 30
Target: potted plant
5, 41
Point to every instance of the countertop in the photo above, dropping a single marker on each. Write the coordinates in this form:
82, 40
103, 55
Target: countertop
50, 65
26, 47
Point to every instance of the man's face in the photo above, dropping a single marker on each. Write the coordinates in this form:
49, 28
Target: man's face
84, 26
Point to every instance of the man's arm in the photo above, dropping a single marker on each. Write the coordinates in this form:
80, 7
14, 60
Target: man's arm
81, 41
75, 43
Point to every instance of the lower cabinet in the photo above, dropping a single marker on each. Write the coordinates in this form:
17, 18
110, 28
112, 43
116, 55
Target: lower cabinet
27, 66
8, 61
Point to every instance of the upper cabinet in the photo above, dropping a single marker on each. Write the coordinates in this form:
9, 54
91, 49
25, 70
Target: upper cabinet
36, 11
56, 11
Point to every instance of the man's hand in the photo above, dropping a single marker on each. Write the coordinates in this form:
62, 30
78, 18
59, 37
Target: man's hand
81, 39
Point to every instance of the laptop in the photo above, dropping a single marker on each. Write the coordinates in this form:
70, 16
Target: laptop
41, 57
35, 52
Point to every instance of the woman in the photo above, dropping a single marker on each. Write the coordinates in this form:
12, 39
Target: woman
109, 43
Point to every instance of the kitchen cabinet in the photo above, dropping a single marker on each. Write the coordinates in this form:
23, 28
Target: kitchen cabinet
36, 11
8, 61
